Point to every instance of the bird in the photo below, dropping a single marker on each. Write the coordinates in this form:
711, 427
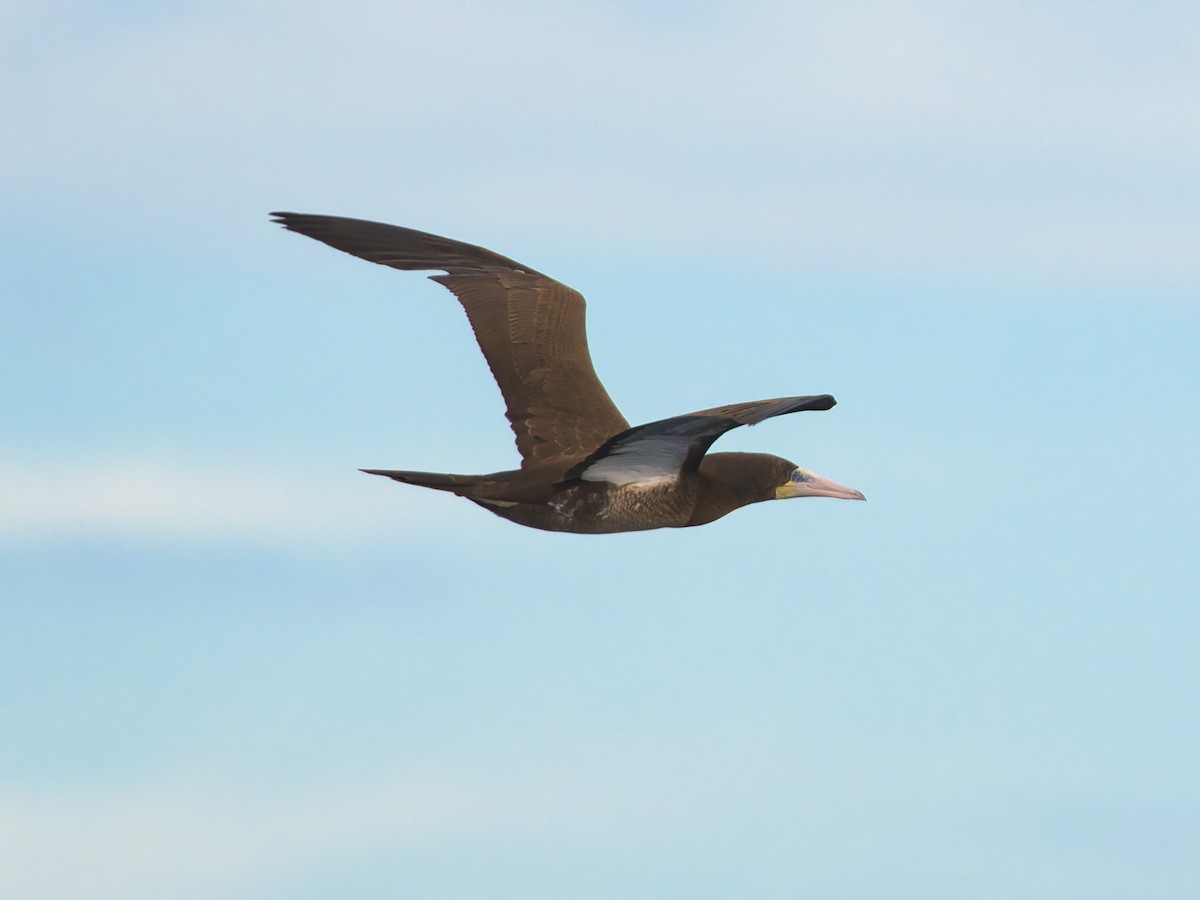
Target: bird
584, 469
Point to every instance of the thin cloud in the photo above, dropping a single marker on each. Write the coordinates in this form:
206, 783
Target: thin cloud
185, 838
871, 133
155, 498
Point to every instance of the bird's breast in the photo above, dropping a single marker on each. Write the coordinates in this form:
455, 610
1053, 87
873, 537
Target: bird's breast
591, 508
632, 507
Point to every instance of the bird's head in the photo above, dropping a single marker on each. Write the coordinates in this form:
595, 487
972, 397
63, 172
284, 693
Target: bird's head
732, 480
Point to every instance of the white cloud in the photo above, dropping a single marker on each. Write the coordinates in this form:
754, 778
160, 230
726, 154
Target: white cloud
156, 498
965, 138
182, 839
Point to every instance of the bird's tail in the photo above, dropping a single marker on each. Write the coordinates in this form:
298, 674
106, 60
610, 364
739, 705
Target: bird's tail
458, 484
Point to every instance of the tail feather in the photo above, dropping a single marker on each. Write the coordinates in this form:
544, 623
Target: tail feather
458, 484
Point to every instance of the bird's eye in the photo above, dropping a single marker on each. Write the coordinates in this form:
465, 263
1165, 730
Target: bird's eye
800, 475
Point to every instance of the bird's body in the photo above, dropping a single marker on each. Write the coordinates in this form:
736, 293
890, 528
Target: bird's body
600, 508
583, 469
552, 501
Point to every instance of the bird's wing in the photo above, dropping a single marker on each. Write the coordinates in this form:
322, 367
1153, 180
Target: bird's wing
664, 450
529, 326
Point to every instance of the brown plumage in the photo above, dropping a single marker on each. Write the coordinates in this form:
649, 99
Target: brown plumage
583, 469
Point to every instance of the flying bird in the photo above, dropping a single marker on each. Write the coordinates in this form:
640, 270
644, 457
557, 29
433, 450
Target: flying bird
583, 468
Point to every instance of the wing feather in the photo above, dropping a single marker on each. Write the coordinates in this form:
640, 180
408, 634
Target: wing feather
531, 329
668, 448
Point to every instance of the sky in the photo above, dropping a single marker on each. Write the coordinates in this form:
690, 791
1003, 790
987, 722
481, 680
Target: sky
232, 666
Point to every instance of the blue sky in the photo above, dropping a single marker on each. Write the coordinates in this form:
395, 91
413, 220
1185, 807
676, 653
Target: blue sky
232, 666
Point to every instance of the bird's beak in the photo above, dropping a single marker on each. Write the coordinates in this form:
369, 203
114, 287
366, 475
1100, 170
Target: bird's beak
816, 486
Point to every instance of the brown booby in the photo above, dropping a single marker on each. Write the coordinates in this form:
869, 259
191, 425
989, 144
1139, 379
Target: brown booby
583, 468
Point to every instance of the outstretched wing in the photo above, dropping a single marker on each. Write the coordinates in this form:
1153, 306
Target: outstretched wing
529, 326
666, 449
